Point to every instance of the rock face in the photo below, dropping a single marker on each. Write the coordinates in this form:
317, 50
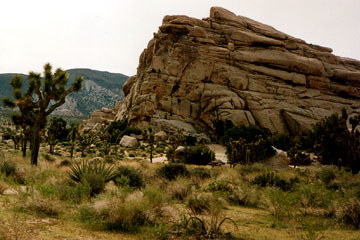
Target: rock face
231, 67
128, 141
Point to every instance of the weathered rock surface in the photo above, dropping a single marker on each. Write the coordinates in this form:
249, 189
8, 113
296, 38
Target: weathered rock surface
160, 136
98, 119
231, 67
128, 141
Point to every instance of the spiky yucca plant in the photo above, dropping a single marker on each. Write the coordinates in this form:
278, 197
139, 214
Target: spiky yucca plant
79, 169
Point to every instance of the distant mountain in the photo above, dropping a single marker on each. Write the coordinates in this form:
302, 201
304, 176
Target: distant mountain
100, 89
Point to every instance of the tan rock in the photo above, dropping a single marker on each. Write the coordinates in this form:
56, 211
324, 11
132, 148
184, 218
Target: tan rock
227, 67
128, 141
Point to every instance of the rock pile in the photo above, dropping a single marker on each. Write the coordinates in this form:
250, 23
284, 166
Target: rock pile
232, 67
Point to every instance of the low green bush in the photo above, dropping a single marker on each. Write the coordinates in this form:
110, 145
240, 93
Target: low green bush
198, 204
201, 173
220, 186
172, 170
48, 157
282, 141
128, 176
326, 174
8, 168
349, 213
199, 155
272, 180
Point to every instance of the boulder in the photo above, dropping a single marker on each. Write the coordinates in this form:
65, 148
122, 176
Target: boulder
10, 191
228, 67
160, 136
129, 142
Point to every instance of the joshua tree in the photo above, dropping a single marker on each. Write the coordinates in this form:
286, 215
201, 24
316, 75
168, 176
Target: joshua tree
151, 140
43, 96
85, 141
25, 130
73, 133
56, 132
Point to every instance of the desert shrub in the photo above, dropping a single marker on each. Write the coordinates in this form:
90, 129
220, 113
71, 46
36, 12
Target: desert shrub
349, 213
201, 173
8, 167
65, 162
220, 186
96, 182
298, 157
128, 217
335, 143
282, 141
248, 169
43, 207
280, 204
169, 153
132, 130
247, 152
127, 176
314, 195
272, 180
178, 190
198, 204
49, 158
199, 155
326, 174
73, 193
172, 170
190, 140
159, 150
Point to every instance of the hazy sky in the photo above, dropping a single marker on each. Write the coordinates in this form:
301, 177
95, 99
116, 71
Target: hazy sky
110, 35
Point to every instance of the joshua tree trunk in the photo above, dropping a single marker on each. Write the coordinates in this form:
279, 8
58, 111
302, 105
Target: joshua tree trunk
24, 146
151, 152
35, 140
72, 149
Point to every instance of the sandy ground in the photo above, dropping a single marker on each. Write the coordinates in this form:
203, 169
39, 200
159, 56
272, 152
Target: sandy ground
220, 152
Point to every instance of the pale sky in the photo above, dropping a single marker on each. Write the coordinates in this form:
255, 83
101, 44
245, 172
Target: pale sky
109, 35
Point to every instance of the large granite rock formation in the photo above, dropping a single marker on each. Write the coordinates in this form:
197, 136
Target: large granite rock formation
232, 67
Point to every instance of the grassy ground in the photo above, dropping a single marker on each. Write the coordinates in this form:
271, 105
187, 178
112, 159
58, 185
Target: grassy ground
254, 202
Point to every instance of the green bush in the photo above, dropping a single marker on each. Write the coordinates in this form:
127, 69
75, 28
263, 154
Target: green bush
326, 174
350, 213
65, 162
282, 141
335, 144
269, 179
244, 152
172, 170
190, 141
48, 157
8, 167
43, 207
96, 182
199, 155
198, 204
132, 130
200, 173
220, 186
128, 176
298, 157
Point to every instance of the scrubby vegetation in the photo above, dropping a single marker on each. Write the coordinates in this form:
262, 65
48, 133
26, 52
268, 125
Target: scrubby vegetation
89, 180
175, 201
